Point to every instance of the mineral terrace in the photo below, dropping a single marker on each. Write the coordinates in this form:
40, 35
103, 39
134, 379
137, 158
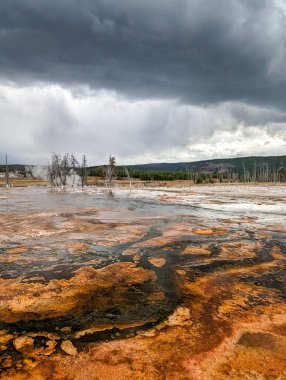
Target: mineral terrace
159, 284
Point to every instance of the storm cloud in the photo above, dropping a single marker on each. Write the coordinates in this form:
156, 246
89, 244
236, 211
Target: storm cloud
161, 78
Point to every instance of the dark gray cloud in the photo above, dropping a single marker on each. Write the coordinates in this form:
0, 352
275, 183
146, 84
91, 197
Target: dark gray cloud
198, 51
145, 80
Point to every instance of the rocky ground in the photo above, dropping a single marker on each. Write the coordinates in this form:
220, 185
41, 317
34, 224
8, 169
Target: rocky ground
151, 284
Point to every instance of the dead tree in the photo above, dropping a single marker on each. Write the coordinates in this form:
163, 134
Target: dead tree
74, 169
7, 173
65, 170
83, 175
110, 171
128, 177
54, 170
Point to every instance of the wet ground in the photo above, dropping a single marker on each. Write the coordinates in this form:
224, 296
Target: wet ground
183, 283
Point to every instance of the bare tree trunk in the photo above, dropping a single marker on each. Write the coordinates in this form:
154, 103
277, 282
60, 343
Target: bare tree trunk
128, 177
110, 172
7, 173
83, 172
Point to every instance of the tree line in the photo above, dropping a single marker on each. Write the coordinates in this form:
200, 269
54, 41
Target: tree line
66, 169
261, 173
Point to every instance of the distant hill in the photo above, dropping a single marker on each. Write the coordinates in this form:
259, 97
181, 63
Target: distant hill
245, 169
237, 164
217, 165
242, 169
19, 167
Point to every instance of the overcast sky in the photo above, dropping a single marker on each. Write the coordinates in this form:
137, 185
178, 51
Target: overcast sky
146, 81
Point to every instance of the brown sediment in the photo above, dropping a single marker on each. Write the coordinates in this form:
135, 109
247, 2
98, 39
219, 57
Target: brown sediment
68, 347
172, 353
197, 250
235, 250
274, 228
178, 229
213, 231
202, 302
17, 250
156, 296
157, 261
221, 331
5, 337
277, 253
25, 301
103, 327
174, 232
77, 247
155, 242
183, 229
130, 252
55, 225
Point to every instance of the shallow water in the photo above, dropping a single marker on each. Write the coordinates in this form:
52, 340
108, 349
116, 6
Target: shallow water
89, 266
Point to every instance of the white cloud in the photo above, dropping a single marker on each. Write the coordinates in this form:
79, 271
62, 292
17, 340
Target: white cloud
243, 141
36, 121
